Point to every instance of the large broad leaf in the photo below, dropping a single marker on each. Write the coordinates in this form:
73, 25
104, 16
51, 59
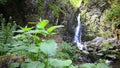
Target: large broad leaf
42, 24
49, 47
49, 30
33, 48
102, 65
14, 65
35, 64
76, 3
59, 63
88, 65
18, 48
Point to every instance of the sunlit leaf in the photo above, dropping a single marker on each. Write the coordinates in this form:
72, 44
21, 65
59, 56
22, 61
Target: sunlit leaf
42, 24
76, 3
37, 38
25, 29
49, 30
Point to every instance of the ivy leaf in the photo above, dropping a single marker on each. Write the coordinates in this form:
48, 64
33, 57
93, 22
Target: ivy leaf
49, 30
59, 63
49, 47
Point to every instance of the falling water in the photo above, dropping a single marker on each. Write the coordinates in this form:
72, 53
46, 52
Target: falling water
78, 33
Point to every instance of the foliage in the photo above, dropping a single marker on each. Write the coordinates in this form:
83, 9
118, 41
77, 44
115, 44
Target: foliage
68, 51
29, 44
105, 51
114, 13
59, 63
95, 65
56, 9
48, 48
6, 34
76, 3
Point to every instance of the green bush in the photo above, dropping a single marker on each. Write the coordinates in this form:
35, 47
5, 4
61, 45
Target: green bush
39, 52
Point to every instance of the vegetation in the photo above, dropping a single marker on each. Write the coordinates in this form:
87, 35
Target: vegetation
32, 45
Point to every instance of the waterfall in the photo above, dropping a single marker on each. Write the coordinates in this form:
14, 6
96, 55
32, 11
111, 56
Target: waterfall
78, 33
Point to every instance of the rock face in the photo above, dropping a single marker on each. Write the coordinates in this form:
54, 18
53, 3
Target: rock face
93, 17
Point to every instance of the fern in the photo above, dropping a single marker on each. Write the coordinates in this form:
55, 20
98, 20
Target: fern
6, 34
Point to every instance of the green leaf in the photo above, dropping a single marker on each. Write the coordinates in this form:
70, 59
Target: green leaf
49, 47
18, 48
33, 48
76, 3
19, 31
100, 54
19, 36
14, 65
59, 63
88, 65
111, 56
42, 24
17, 43
25, 29
43, 32
37, 38
49, 30
104, 49
102, 65
35, 64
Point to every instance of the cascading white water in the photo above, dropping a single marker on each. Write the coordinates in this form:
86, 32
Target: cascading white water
78, 33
